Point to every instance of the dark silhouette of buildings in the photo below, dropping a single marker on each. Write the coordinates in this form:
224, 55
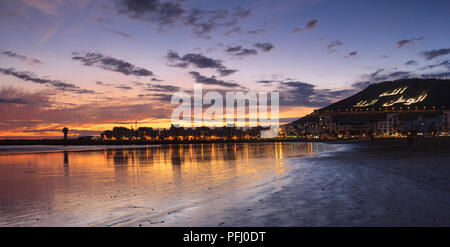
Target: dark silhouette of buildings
182, 134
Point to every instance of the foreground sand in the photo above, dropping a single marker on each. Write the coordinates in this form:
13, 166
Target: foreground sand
377, 184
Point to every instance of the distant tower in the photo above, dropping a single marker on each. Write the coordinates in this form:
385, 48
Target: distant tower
65, 131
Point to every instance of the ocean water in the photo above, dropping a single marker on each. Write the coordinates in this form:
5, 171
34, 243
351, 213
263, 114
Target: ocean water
109, 185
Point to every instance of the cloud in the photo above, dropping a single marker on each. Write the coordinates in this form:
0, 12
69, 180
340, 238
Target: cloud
108, 63
403, 42
197, 60
428, 55
445, 64
125, 35
239, 51
351, 54
297, 93
311, 24
60, 85
31, 61
124, 87
238, 30
166, 14
161, 88
158, 96
382, 75
264, 46
155, 11
256, 31
13, 101
438, 74
411, 62
266, 82
211, 80
37, 114
99, 83
334, 44
156, 79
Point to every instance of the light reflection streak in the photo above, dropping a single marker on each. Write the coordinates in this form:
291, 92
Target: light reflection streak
90, 182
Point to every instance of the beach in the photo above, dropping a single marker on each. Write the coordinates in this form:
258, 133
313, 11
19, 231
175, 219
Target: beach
273, 184
383, 184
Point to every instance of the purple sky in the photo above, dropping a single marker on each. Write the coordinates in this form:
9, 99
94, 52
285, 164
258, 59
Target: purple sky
91, 65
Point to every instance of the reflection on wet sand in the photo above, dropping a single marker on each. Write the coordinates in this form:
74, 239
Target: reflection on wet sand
85, 187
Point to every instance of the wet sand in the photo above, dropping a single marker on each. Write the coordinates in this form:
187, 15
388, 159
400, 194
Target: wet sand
292, 184
383, 184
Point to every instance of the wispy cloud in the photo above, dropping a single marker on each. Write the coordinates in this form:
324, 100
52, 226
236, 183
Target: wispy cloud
166, 14
431, 54
333, 44
211, 80
310, 25
297, 93
29, 60
264, 46
109, 63
404, 42
199, 61
60, 85
125, 35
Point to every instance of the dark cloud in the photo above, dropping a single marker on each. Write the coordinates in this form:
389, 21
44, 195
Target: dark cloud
403, 42
155, 11
125, 35
382, 75
297, 93
438, 74
99, 83
211, 80
334, 44
239, 51
239, 30
165, 14
256, 31
112, 64
435, 53
264, 46
351, 54
156, 79
161, 88
158, 96
31, 61
444, 64
311, 24
28, 76
198, 61
13, 101
124, 87
267, 82
119, 86
411, 62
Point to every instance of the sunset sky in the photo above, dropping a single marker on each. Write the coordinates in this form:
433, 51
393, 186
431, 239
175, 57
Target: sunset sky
91, 65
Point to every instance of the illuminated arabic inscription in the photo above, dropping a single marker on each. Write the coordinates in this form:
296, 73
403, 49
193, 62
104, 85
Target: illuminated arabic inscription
408, 101
365, 103
394, 92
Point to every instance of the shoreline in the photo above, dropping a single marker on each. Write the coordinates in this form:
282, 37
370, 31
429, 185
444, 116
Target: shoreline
354, 186
76, 142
